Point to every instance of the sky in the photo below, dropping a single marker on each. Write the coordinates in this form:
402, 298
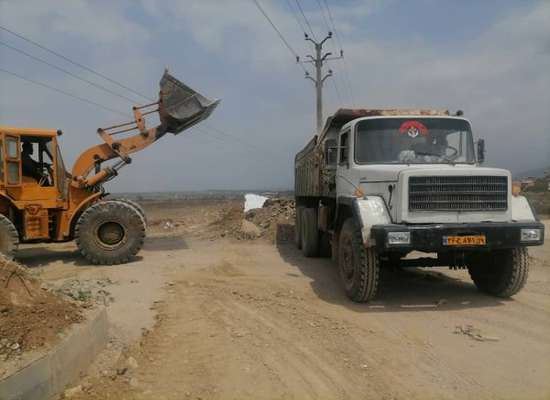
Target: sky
489, 58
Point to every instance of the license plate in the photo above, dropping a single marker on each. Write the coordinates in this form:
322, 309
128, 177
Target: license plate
473, 240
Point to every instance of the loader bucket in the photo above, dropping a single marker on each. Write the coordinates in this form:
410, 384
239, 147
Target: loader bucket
181, 106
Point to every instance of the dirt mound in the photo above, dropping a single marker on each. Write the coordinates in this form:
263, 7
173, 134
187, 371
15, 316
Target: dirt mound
274, 221
228, 223
30, 317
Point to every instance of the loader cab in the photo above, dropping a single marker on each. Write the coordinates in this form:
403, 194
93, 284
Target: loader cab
30, 167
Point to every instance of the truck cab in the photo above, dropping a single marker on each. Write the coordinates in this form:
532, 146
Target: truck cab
391, 182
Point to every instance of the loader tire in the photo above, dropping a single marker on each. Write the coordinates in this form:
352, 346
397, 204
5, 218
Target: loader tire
298, 227
359, 266
136, 205
502, 273
9, 238
310, 232
110, 232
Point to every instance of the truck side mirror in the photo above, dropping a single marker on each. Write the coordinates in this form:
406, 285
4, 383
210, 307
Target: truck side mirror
480, 151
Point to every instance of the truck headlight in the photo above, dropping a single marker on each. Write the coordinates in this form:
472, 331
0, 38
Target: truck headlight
530, 234
399, 238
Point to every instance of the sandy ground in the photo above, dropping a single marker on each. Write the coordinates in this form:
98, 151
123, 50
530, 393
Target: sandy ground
226, 319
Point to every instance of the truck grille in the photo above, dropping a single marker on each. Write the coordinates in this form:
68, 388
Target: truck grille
458, 193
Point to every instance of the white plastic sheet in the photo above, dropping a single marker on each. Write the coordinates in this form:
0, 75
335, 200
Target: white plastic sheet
252, 201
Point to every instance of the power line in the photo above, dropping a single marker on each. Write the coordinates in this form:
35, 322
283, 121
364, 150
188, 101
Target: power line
336, 80
216, 130
63, 92
254, 154
332, 23
305, 19
296, 17
66, 72
288, 46
74, 62
337, 91
323, 15
238, 139
337, 36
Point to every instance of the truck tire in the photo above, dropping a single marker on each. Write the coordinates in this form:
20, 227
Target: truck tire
297, 227
134, 204
358, 265
310, 233
110, 232
9, 238
501, 273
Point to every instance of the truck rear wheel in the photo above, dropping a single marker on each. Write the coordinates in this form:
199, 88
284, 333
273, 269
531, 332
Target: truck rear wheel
9, 238
501, 273
298, 227
358, 265
110, 232
310, 232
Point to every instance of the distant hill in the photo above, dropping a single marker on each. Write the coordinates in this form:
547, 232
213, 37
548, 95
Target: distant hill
536, 173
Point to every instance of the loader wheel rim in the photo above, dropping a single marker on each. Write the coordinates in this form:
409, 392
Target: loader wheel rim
111, 233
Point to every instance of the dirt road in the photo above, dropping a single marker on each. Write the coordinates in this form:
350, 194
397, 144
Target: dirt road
254, 320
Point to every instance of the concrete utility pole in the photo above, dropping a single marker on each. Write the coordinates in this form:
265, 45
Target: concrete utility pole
319, 80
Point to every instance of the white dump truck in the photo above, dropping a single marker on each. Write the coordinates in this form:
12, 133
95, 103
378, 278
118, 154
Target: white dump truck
377, 185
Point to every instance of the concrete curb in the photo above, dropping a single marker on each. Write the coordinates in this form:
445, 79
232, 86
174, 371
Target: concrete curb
48, 376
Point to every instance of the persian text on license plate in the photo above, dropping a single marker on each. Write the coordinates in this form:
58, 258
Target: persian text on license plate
475, 240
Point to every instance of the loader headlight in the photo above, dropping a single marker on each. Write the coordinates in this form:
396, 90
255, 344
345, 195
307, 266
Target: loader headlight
399, 238
530, 235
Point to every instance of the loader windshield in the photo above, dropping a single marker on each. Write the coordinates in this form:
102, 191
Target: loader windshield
413, 141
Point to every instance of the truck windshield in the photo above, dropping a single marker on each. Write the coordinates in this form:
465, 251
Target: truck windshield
414, 140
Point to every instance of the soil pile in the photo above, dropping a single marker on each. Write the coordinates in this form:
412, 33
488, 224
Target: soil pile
228, 223
274, 221
30, 317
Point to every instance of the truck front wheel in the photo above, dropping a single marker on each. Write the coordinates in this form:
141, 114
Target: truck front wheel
501, 273
358, 265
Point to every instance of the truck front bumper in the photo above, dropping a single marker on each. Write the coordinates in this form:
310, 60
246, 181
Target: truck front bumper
433, 237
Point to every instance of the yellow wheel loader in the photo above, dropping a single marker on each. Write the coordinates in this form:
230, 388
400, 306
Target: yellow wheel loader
40, 201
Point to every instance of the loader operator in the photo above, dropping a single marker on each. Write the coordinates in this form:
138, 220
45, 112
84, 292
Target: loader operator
30, 167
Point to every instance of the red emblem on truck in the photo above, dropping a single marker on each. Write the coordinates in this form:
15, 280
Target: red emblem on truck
413, 128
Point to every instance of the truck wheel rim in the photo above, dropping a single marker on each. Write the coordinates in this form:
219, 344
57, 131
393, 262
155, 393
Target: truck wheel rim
110, 233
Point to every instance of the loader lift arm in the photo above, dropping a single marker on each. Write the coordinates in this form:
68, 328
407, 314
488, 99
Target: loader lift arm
179, 107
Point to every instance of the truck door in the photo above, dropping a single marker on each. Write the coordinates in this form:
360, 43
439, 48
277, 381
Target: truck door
12, 161
344, 178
